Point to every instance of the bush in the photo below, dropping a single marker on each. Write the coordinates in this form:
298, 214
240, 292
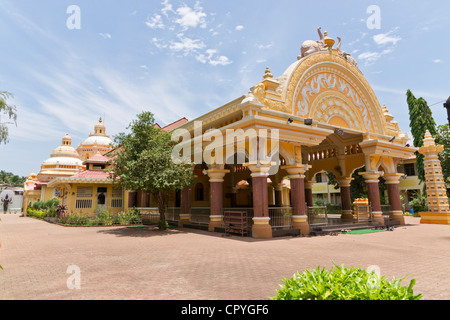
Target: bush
419, 203
341, 283
39, 214
48, 207
334, 208
319, 202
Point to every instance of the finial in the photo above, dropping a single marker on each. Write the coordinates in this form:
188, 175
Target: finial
100, 120
267, 74
329, 42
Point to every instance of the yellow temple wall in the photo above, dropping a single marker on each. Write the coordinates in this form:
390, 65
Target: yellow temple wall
72, 198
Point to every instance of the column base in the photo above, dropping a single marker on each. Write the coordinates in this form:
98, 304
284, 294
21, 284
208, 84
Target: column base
378, 217
398, 216
215, 221
347, 215
301, 222
184, 219
261, 228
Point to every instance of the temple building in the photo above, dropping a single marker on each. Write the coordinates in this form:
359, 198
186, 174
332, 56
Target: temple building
324, 116
65, 162
321, 115
97, 142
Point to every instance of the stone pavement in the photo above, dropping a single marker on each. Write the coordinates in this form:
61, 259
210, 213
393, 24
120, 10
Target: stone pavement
185, 264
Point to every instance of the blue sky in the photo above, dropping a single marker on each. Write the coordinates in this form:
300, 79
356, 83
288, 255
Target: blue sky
185, 58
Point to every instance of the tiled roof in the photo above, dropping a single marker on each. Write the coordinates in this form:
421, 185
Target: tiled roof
92, 174
98, 158
175, 124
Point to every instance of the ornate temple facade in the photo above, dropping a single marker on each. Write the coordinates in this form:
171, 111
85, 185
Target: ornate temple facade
327, 118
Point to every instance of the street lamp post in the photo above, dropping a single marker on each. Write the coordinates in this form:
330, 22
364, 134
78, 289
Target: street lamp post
447, 106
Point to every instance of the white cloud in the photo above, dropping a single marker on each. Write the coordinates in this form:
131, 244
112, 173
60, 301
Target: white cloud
239, 28
186, 45
214, 61
264, 46
167, 8
158, 43
105, 35
370, 56
386, 38
382, 40
437, 60
191, 18
155, 22
222, 61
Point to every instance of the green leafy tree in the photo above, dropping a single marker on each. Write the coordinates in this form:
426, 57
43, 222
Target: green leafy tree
421, 120
443, 137
143, 162
11, 179
10, 111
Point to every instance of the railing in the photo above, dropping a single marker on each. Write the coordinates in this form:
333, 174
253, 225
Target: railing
149, 215
280, 217
249, 212
317, 215
363, 213
173, 214
200, 215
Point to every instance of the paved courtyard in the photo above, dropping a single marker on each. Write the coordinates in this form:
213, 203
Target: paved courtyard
185, 264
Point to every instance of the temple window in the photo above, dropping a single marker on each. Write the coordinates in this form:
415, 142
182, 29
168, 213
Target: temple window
199, 192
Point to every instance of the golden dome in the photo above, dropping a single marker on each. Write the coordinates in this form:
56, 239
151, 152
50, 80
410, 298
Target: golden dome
65, 149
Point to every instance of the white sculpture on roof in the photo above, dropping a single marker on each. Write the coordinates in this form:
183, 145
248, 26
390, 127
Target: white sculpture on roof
310, 46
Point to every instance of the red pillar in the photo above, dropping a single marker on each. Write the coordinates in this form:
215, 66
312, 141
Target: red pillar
216, 197
261, 227
260, 197
299, 215
392, 182
278, 195
298, 196
185, 206
346, 199
373, 193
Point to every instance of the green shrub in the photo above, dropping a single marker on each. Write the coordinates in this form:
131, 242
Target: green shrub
319, 202
36, 213
75, 220
160, 224
341, 283
419, 203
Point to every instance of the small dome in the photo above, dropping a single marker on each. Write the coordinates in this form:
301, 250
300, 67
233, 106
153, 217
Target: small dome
97, 140
99, 137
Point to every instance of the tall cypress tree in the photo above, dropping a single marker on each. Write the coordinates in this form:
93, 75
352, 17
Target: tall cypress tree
420, 120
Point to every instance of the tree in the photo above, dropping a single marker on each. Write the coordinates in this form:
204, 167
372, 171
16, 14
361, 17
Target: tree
11, 179
143, 162
443, 137
10, 111
421, 120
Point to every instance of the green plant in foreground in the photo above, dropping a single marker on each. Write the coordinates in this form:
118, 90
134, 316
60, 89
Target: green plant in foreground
341, 283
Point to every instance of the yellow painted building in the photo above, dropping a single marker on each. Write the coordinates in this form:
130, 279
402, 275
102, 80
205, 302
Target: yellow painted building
66, 163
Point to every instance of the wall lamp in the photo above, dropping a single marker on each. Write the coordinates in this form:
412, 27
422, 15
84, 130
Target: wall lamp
339, 132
